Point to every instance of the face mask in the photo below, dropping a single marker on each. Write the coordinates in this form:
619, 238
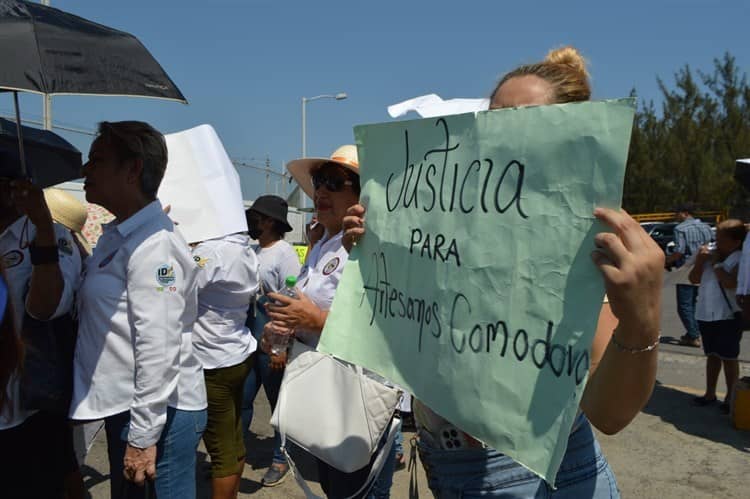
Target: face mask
254, 231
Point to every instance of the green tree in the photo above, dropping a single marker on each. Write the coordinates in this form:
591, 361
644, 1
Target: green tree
688, 151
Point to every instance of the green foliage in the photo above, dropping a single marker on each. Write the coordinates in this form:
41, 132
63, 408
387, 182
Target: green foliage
687, 152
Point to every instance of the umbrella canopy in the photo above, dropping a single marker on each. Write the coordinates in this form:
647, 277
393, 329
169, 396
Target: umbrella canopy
50, 159
47, 51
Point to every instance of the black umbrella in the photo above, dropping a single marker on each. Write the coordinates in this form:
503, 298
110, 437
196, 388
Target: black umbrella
47, 51
50, 159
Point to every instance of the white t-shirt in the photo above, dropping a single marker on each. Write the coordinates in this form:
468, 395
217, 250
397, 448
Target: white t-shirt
14, 252
711, 305
277, 262
136, 309
320, 277
227, 280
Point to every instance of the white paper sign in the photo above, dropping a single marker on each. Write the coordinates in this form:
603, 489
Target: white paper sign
202, 186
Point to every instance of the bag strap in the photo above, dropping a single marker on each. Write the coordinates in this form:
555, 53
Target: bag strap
377, 465
724, 294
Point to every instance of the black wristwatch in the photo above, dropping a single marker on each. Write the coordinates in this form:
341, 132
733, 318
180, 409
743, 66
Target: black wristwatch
41, 255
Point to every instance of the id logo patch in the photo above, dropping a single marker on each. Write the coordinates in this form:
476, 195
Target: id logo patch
12, 259
332, 265
165, 275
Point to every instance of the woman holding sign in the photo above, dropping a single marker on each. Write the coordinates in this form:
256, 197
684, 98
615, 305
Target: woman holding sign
623, 353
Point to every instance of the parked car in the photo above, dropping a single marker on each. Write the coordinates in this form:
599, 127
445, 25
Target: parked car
662, 233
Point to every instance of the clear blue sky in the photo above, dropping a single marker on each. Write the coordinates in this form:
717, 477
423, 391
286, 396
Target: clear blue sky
244, 65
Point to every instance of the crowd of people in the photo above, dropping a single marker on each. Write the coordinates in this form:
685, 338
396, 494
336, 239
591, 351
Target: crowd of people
173, 337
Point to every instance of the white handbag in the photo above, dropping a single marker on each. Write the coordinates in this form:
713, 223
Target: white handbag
335, 410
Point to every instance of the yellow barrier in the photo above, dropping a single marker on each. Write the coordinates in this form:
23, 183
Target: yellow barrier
706, 216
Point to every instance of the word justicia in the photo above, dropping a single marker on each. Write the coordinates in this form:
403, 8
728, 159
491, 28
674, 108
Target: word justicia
435, 184
493, 337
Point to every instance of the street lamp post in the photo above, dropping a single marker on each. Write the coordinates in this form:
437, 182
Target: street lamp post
305, 100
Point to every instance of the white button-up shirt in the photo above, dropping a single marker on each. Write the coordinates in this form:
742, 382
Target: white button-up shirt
137, 306
711, 305
17, 264
320, 277
227, 280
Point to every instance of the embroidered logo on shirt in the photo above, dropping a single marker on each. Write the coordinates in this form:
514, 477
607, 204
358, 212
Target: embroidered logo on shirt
64, 246
107, 259
332, 265
12, 259
165, 275
200, 261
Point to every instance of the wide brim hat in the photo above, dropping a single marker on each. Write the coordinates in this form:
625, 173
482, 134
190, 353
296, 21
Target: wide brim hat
301, 169
68, 212
273, 207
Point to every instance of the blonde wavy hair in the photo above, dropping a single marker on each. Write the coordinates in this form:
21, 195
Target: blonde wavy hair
564, 69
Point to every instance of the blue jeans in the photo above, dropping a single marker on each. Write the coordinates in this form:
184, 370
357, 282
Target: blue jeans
262, 374
175, 455
486, 473
337, 484
381, 489
687, 296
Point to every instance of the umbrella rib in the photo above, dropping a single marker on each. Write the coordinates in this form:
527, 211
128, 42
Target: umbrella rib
5, 87
45, 83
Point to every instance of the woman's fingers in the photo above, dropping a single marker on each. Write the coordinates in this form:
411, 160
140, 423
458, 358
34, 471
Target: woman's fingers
611, 246
624, 225
607, 267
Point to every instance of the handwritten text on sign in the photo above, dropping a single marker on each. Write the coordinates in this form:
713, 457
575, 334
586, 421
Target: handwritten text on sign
473, 287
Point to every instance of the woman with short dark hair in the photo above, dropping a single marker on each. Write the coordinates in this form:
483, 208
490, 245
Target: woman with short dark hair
134, 363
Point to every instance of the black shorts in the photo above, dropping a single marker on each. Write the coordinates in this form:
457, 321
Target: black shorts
721, 338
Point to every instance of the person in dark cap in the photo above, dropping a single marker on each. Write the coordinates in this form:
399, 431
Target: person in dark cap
267, 223
689, 235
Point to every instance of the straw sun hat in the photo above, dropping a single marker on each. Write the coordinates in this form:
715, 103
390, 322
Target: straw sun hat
301, 169
69, 212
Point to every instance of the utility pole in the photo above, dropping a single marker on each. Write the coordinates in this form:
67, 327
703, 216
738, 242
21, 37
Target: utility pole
268, 174
47, 100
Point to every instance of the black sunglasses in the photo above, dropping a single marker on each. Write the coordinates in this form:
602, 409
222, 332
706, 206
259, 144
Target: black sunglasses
334, 182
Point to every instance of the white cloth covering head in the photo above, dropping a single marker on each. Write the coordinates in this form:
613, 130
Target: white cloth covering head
201, 186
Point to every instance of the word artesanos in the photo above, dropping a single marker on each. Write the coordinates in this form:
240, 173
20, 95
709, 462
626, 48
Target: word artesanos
483, 337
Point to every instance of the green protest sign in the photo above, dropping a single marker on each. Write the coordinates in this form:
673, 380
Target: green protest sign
473, 287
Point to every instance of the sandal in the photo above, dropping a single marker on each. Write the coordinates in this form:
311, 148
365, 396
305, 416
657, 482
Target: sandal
400, 461
702, 401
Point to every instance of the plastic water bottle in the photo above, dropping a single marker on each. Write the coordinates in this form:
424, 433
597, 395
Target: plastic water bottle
280, 340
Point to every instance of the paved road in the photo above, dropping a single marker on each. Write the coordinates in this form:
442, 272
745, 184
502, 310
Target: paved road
672, 450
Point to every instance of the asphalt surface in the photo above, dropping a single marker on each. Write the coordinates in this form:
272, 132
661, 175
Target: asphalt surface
671, 450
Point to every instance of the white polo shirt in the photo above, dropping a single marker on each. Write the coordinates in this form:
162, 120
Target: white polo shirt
277, 262
17, 264
227, 281
137, 306
711, 304
320, 277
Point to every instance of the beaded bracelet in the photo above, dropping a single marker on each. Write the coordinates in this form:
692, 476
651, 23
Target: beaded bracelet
623, 348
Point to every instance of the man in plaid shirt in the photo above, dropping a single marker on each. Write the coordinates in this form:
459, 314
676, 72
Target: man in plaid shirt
689, 235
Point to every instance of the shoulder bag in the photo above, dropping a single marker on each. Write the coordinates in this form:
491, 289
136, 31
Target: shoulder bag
336, 411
